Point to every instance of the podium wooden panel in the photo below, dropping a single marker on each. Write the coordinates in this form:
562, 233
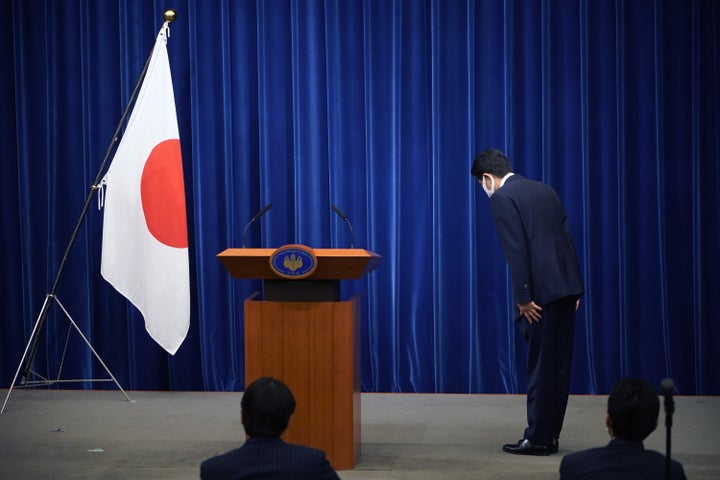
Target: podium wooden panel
312, 345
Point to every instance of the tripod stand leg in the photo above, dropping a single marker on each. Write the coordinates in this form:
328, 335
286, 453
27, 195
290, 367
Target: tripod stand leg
27, 347
93, 351
49, 297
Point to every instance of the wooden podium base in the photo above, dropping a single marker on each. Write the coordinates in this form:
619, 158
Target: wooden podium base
314, 348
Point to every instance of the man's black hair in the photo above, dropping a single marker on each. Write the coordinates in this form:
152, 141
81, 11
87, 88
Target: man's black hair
633, 407
267, 405
492, 161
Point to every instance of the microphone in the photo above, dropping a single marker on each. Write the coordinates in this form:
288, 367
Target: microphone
254, 218
345, 218
667, 387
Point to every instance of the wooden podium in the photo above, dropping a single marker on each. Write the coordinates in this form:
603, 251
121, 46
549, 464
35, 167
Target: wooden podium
301, 332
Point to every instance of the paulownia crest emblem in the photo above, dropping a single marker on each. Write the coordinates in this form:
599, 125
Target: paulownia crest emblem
292, 262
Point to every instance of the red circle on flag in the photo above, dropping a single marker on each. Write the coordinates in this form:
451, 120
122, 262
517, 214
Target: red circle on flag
162, 191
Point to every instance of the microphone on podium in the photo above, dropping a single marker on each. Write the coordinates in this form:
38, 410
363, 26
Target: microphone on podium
345, 218
254, 218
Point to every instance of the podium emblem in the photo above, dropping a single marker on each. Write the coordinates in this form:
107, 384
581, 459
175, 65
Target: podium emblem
293, 261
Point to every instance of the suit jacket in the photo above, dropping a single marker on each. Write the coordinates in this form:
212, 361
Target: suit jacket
620, 460
536, 240
269, 458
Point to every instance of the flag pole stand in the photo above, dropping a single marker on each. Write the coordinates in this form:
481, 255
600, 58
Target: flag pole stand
28, 357
48, 382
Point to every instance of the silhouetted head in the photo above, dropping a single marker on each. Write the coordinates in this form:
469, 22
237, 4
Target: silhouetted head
633, 409
266, 407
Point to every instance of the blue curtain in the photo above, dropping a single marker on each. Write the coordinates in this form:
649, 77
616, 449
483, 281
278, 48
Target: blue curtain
378, 107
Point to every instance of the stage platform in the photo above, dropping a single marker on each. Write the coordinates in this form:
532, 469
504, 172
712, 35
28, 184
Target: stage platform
75, 434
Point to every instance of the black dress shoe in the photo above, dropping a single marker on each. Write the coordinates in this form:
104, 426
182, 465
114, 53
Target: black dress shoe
526, 447
555, 446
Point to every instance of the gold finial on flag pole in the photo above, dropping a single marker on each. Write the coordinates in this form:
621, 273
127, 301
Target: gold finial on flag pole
169, 15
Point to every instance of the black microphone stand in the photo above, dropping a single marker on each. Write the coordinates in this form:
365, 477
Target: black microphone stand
668, 387
254, 219
347, 221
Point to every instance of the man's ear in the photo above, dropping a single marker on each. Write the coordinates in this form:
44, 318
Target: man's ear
608, 421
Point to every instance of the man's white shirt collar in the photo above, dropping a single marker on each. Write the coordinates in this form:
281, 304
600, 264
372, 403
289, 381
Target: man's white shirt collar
502, 182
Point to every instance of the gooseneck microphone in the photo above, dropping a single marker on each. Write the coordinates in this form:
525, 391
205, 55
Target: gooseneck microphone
253, 219
344, 217
667, 387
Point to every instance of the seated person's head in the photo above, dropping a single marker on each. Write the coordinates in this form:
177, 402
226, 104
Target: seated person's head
267, 405
633, 409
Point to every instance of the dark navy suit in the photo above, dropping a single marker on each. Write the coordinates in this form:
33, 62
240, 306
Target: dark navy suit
271, 459
540, 253
620, 460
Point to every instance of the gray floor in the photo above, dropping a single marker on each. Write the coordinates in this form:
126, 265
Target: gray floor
161, 435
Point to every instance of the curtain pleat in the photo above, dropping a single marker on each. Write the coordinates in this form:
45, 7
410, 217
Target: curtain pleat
376, 107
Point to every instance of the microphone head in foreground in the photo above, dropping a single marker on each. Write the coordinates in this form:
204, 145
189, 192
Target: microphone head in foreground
667, 386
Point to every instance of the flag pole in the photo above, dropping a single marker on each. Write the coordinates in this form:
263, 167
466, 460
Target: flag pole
169, 16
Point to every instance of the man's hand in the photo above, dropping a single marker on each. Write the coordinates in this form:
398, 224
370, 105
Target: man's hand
531, 311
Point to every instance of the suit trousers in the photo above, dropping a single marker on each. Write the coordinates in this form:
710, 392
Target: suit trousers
549, 364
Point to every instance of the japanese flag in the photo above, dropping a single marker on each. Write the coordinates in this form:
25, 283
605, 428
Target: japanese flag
145, 242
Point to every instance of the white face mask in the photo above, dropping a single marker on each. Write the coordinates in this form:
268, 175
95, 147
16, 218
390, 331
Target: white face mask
490, 190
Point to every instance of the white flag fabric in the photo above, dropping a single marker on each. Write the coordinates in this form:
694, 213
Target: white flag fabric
145, 242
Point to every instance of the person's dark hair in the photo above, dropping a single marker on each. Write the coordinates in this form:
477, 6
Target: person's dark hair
633, 407
492, 161
267, 405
